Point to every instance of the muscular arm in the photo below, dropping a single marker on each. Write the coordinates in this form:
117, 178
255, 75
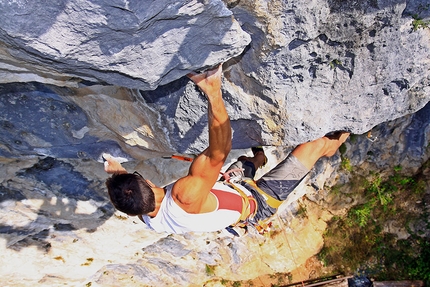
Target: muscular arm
191, 192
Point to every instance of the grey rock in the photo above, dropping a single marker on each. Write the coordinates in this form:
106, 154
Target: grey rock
308, 70
113, 274
135, 44
168, 244
332, 65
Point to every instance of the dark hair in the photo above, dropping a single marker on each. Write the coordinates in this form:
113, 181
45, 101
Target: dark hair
131, 194
256, 149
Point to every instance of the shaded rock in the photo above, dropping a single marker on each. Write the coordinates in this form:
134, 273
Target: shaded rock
8, 194
36, 120
69, 183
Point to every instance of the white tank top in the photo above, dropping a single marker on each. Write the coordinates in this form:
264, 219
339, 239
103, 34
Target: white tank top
173, 219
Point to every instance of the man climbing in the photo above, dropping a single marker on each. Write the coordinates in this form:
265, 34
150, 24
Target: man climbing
198, 202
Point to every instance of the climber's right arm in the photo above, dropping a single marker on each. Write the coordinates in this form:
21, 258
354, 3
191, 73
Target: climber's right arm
192, 191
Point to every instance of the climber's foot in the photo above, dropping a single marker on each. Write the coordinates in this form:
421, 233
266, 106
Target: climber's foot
334, 141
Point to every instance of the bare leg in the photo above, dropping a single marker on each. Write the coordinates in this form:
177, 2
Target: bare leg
309, 153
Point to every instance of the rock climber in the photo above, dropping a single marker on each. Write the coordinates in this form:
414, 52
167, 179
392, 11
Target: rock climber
199, 202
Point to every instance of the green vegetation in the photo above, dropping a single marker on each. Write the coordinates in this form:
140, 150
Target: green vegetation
210, 270
346, 164
280, 278
353, 138
417, 21
360, 241
301, 211
342, 149
384, 235
334, 63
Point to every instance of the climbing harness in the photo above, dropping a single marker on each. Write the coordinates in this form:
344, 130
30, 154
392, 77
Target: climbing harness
271, 201
247, 218
246, 206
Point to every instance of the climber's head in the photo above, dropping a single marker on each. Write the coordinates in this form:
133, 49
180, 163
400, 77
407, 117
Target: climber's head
131, 193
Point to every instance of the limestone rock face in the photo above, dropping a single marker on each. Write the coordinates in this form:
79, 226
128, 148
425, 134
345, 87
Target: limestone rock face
331, 65
308, 69
135, 44
79, 78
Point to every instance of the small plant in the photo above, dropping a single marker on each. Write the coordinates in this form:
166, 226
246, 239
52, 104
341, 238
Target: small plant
342, 149
353, 138
336, 189
301, 211
334, 63
418, 22
346, 164
360, 215
383, 190
210, 270
397, 168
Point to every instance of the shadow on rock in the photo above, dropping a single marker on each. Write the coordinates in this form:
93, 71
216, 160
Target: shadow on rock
47, 198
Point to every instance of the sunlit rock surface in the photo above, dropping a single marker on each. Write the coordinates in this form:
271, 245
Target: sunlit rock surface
80, 78
135, 44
